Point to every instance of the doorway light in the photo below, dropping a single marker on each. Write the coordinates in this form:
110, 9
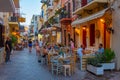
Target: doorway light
84, 28
102, 20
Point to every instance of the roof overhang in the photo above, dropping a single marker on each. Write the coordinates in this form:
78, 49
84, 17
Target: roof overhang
66, 20
7, 6
89, 5
92, 17
16, 2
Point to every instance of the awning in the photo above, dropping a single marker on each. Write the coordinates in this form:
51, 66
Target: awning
14, 24
86, 19
7, 6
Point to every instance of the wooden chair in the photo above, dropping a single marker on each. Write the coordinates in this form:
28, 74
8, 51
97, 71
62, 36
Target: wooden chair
73, 64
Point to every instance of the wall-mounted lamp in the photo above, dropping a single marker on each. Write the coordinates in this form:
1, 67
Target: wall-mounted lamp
84, 28
102, 20
110, 30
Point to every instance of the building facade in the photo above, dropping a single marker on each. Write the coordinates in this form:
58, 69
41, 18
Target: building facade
116, 27
66, 20
5, 12
35, 23
51, 24
91, 26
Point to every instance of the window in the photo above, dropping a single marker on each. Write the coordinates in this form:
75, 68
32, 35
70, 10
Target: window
69, 6
74, 5
84, 2
35, 18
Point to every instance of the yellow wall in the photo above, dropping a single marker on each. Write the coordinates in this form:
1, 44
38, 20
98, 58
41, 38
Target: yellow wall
44, 7
98, 26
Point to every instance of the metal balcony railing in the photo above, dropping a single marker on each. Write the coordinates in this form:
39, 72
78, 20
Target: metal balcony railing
13, 19
79, 4
65, 16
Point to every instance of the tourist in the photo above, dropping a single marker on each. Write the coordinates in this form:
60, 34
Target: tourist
38, 50
30, 45
101, 49
40, 43
7, 49
56, 47
10, 42
37, 47
26, 43
45, 52
81, 52
71, 45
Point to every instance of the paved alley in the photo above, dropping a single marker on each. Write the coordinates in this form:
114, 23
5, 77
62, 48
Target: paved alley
24, 66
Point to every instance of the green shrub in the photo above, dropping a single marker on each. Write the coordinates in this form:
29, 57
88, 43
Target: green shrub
108, 55
94, 61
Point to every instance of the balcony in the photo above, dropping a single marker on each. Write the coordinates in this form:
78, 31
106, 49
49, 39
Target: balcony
13, 19
49, 8
13, 22
65, 16
81, 6
43, 1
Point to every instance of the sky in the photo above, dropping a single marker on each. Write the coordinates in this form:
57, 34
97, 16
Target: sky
28, 8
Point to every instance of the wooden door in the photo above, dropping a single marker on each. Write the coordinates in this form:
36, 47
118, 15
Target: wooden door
84, 37
84, 2
92, 34
104, 35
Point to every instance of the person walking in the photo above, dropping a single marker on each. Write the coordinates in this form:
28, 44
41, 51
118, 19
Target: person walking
81, 52
8, 49
38, 50
37, 47
30, 45
40, 43
101, 49
71, 46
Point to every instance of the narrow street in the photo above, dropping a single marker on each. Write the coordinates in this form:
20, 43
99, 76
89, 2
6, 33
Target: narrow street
24, 66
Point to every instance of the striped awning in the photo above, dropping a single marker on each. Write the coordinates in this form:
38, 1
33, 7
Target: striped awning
7, 6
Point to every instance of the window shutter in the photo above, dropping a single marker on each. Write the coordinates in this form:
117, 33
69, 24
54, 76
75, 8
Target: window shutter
84, 2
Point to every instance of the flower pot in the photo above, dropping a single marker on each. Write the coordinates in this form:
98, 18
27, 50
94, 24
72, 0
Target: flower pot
95, 70
108, 66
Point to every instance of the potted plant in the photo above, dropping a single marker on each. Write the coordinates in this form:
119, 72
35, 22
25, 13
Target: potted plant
107, 59
14, 40
94, 66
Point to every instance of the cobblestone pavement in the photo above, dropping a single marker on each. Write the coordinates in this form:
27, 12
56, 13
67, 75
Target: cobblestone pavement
108, 75
24, 66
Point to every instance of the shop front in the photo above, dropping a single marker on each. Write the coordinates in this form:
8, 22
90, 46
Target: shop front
93, 30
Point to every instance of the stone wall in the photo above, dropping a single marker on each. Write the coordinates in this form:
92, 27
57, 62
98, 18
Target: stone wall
116, 35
